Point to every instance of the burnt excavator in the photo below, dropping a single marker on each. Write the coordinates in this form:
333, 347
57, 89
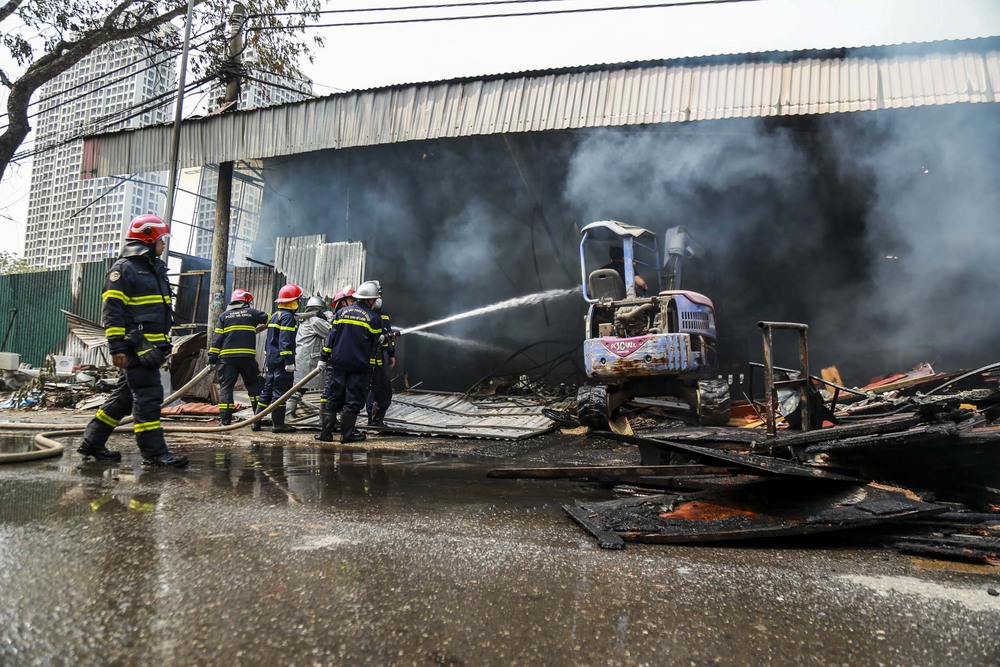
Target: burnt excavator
655, 344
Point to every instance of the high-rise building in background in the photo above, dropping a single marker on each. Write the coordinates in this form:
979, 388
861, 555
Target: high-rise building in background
259, 89
75, 220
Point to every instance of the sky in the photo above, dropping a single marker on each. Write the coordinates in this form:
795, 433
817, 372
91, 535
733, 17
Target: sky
359, 57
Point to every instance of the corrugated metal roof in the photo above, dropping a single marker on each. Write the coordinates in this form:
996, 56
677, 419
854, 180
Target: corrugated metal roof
752, 85
495, 418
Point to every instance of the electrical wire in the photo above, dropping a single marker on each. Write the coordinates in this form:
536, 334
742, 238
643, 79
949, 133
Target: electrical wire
106, 74
455, 5
110, 120
437, 19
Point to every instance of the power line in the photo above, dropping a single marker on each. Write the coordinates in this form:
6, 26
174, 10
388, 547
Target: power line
110, 73
112, 119
436, 19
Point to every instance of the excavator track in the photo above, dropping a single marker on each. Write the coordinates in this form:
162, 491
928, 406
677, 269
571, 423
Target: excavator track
592, 406
713, 402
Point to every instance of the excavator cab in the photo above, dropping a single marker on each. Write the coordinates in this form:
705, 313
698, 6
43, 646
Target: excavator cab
645, 337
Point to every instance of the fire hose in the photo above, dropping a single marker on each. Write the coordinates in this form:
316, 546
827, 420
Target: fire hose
47, 446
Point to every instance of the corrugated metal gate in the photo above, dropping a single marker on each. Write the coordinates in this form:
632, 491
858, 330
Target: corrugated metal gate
39, 327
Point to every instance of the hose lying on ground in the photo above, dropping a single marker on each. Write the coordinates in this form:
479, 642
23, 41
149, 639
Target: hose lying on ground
48, 446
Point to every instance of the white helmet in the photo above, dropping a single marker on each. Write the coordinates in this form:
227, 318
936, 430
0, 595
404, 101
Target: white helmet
315, 302
367, 290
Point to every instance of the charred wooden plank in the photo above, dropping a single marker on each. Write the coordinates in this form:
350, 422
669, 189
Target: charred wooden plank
765, 464
773, 508
606, 539
912, 435
606, 472
873, 427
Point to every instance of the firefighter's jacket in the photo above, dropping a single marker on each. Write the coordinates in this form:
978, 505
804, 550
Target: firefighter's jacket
236, 333
353, 339
279, 350
388, 342
137, 312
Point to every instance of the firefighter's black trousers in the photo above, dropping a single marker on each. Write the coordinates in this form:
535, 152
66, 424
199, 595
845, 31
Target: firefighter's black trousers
345, 391
381, 390
230, 370
140, 393
276, 383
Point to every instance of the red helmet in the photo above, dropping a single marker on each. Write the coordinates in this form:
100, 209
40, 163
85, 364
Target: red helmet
288, 293
343, 294
241, 295
147, 228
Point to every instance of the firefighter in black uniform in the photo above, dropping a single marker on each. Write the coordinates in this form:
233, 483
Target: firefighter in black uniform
380, 395
350, 350
279, 360
137, 316
328, 419
235, 347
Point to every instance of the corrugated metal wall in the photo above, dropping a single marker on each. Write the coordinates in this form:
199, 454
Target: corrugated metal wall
263, 282
319, 268
759, 85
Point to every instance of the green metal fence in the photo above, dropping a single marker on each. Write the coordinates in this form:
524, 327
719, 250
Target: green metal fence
39, 328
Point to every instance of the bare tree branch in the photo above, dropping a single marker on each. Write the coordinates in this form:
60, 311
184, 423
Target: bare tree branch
9, 8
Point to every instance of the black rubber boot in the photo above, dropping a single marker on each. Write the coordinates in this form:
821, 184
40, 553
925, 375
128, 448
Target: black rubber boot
256, 425
99, 452
166, 460
278, 421
225, 417
376, 416
334, 424
347, 431
326, 420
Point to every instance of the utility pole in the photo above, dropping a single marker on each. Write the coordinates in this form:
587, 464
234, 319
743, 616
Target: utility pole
224, 194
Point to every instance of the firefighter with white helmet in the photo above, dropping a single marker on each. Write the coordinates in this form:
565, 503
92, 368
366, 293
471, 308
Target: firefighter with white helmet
279, 361
350, 351
313, 328
380, 395
137, 315
234, 350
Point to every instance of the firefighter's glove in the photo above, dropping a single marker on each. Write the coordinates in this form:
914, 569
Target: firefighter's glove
149, 355
290, 368
393, 335
321, 366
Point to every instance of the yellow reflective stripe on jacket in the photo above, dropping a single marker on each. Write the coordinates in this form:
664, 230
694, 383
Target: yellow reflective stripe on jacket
237, 327
285, 352
105, 418
213, 350
237, 350
142, 427
218, 330
146, 351
385, 317
272, 325
114, 331
135, 300
156, 337
359, 324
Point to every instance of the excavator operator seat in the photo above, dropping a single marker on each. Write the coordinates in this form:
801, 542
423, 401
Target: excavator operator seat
606, 284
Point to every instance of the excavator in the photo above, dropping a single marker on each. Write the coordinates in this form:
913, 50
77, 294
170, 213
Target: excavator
656, 346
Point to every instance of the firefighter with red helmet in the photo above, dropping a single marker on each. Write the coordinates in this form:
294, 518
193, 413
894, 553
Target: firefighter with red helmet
350, 352
137, 315
234, 350
279, 360
327, 419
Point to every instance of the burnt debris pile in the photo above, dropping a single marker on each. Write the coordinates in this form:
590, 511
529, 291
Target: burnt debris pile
911, 461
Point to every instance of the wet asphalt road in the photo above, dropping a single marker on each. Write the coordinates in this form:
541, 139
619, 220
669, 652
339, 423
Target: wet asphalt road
269, 552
